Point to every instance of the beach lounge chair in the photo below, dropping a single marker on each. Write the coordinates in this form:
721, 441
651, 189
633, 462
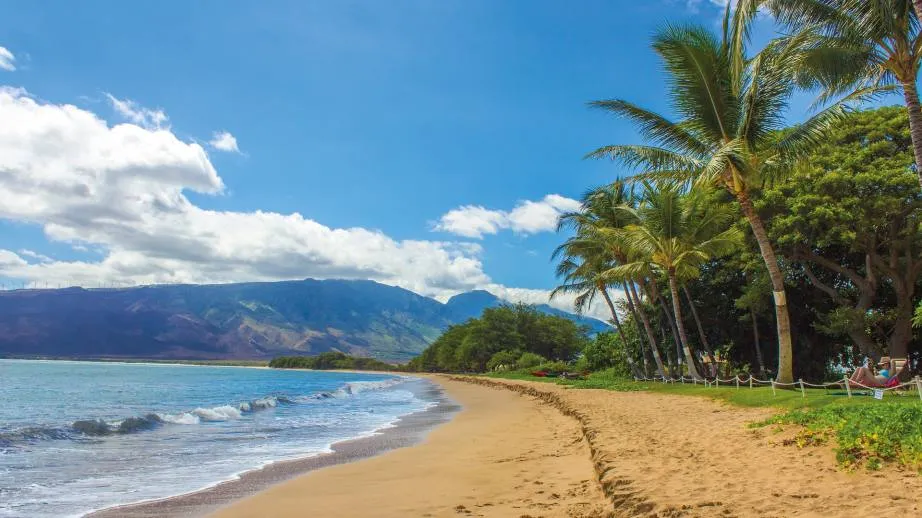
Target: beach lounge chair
900, 373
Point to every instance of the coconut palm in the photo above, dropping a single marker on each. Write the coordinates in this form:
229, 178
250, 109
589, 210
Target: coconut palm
676, 233
857, 48
596, 224
730, 109
582, 267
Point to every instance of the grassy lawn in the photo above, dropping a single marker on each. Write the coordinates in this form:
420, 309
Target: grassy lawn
866, 432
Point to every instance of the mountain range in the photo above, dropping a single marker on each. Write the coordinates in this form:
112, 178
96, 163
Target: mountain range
234, 321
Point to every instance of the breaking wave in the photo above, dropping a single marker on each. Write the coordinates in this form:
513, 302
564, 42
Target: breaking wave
88, 429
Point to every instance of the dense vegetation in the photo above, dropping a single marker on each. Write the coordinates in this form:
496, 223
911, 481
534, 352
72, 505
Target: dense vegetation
330, 361
503, 338
739, 242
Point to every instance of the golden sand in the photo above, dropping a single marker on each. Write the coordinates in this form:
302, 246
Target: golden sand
522, 449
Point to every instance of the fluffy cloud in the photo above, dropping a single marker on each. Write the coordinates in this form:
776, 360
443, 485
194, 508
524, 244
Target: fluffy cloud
118, 191
136, 114
121, 189
7, 60
528, 217
224, 141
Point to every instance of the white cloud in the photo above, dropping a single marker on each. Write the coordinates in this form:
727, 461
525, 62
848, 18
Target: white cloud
121, 189
7, 60
224, 141
137, 114
528, 217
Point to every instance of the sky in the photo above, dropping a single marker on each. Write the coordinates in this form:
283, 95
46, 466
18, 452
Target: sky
423, 144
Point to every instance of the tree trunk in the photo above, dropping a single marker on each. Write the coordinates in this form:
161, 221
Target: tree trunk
911, 95
677, 307
782, 318
640, 330
701, 334
668, 314
617, 322
755, 335
649, 330
898, 346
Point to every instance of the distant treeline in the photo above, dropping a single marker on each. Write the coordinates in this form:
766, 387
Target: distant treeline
504, 338
330, 361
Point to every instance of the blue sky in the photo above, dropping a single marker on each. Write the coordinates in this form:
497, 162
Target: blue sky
371, 120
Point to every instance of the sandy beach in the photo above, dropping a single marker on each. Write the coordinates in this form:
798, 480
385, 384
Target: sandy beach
502, 455
521, 449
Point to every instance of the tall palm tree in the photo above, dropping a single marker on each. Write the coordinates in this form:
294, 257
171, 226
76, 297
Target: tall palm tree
597, 222
582, 267
677, 233
858, 48
731, 108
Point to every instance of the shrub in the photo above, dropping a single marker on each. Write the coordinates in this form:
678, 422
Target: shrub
529, 360
552, 367
503, 361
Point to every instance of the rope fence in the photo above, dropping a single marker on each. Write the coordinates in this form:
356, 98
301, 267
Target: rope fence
801, 384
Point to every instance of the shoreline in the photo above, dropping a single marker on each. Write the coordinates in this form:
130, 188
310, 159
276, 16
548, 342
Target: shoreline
405, 431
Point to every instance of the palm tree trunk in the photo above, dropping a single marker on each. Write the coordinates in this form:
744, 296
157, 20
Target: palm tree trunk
783, 319
755, 335
675, 331
617, 321
701, 333
677, 307
649, 330
640, 330
911, 95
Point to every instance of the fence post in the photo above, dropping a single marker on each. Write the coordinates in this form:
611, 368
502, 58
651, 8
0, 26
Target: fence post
737, 380
717, 379
750, 381
773, 387
848, 388
919, 386
683, 380
694, 380
803, 393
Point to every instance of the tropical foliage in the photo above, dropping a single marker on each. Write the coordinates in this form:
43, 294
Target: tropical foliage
505, 337
330, 361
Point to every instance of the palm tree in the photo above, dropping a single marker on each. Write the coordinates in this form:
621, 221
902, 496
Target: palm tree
731, 109
677, 233
597, 223
583, 263
858, 48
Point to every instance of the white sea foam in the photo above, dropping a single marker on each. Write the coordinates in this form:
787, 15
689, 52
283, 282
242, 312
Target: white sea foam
219, 413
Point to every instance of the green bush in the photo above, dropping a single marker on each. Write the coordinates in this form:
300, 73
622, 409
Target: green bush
503, 361
529, 360
553, 367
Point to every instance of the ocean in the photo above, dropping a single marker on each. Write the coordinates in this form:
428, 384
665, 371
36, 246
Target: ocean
81, 436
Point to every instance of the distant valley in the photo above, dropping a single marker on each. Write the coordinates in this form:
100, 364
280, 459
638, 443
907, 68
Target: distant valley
234, 321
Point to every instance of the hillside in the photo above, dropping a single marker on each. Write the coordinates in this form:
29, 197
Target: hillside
472, 303
229, 321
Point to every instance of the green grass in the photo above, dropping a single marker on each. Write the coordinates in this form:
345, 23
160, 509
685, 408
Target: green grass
866, 432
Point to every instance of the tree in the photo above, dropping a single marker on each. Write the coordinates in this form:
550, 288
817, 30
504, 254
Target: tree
582, 268
730, 106
676, 233
596, 225
475, 345
850, 217
859, 48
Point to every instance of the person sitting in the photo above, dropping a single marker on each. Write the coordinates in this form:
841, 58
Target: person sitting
866, 376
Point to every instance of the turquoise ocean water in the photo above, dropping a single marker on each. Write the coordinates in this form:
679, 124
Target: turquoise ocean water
80, 436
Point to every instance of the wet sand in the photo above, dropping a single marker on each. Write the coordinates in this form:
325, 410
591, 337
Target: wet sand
407, 431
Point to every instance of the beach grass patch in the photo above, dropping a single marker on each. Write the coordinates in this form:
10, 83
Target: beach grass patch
867, 435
